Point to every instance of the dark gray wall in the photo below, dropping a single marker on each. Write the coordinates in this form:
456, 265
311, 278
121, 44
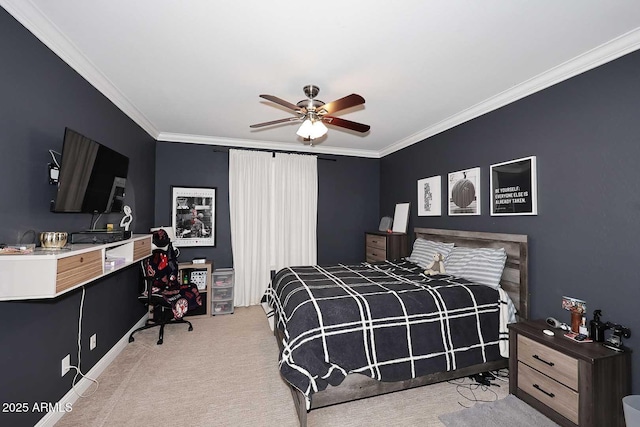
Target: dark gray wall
348, 199
40, 96
585, 240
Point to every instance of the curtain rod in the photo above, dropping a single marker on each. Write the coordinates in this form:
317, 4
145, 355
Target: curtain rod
218, 150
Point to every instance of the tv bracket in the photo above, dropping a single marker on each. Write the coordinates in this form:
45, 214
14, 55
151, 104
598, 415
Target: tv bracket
54, 172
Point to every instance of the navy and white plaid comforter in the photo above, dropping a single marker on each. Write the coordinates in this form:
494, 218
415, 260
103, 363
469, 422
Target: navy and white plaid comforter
384, 320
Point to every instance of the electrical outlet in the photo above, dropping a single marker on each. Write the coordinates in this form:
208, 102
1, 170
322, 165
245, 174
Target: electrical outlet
93, 341
66, 362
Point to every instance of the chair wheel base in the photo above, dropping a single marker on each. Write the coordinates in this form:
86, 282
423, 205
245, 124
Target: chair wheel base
190, 328
131, 339
159, 342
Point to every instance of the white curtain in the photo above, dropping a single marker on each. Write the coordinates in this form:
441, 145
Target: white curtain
295, 210
250, 179
273, 204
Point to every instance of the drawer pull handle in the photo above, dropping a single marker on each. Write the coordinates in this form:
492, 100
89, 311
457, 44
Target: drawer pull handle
537, 387
535, 356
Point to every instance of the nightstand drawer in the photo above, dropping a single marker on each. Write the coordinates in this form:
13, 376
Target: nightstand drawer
553, 394
550, 362
376, 254
379, 242
382, 246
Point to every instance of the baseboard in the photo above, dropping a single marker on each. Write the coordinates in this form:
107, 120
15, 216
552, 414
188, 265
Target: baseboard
83, 385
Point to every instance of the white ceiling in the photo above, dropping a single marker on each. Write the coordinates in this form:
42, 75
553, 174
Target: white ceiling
192, 71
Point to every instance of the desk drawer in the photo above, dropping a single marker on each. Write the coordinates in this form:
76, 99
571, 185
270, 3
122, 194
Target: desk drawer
77, 269
550, 362
141, 248
553, 394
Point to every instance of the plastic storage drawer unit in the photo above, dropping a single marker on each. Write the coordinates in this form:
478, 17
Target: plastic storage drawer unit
222, 291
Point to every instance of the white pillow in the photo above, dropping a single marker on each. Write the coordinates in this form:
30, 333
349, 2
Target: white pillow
480, 265
424, 250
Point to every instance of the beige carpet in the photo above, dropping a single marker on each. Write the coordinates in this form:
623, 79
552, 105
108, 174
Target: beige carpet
224, 373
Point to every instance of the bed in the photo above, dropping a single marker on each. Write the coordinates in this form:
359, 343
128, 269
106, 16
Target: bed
341, 340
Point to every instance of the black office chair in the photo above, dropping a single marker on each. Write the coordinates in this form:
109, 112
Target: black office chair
167, 298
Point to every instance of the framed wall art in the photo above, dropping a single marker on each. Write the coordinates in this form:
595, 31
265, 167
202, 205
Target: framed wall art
464, 192
513, 187
429, 196
194, 216
401, 218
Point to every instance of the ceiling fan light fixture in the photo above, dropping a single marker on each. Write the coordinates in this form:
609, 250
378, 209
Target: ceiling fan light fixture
319, 128
305, 129
311, 129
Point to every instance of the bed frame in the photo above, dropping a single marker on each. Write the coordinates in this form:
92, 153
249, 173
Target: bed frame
513, 281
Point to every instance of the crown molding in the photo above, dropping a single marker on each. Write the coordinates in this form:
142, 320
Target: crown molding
602, 54
48, 33
32, 18
261, 145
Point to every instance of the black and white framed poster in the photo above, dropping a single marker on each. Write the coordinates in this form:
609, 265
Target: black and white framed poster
513, 187
429, 198
194, 216
464, 192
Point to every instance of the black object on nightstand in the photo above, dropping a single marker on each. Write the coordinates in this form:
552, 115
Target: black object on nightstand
573, 383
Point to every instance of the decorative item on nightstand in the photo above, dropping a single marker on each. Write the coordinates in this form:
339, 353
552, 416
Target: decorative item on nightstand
222, 291
597, 327
614, 342
385, 223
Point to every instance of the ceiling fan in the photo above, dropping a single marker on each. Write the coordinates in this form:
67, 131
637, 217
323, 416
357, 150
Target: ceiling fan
314, 113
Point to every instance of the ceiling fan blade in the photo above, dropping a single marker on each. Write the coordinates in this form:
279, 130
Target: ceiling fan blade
281, 102
275, 122
336, 121
342, 103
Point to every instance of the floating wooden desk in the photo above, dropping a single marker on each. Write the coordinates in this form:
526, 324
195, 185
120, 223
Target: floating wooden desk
49, 273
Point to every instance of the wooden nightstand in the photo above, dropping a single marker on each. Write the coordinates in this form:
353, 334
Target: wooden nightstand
380, 246
572, 383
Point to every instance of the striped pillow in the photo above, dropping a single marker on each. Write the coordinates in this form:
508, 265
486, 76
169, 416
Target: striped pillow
480, 265
424, 250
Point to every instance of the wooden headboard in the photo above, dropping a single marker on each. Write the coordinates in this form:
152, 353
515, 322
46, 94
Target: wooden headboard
515, 275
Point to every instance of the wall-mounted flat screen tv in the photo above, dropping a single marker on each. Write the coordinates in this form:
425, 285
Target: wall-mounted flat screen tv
92, 176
